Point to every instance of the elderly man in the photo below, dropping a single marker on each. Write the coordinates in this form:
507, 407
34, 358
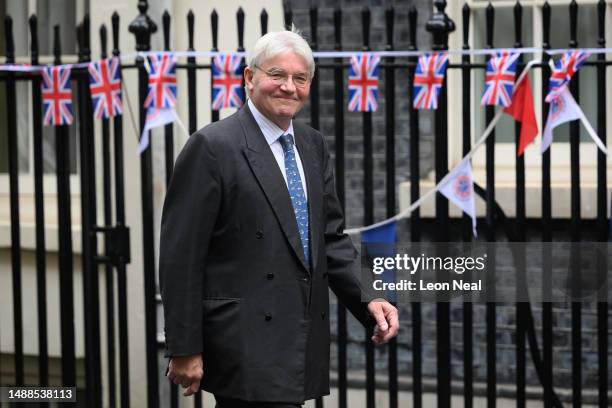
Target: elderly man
251, 240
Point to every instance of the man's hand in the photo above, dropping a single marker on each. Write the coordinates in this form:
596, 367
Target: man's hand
186, 371
387, 323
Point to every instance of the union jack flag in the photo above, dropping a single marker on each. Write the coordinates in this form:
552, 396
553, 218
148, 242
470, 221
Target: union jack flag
500, 76
428, 80
363, 82
563, 71
162, 81
105, 87
57, 96
227, 90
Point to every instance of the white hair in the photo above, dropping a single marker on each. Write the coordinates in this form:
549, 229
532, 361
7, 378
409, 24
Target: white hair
278, 43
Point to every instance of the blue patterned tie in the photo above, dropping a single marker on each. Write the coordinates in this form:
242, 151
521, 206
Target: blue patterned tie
296, 192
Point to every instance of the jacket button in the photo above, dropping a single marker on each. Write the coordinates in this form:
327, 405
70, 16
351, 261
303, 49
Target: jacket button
268, 317
323, 315
259, 234
304, 278
325, 275
270, 276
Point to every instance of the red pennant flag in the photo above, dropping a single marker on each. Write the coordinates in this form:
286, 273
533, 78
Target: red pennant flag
522, 111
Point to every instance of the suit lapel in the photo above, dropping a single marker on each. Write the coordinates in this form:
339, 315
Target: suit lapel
264, 166
309, 161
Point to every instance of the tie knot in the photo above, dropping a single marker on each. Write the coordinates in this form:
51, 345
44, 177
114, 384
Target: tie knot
286, 141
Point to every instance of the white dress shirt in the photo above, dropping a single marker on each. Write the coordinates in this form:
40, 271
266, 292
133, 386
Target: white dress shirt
272, 132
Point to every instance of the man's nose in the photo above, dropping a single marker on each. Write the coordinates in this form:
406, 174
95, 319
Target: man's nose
288, 85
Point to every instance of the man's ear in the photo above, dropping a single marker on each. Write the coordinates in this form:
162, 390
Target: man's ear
248, 78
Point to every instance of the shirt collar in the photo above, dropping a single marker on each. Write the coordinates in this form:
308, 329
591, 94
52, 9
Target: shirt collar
269, 129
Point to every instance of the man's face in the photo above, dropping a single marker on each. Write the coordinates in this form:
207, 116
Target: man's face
277, 87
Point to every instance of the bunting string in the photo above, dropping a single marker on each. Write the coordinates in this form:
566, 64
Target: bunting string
487, 132
129, 57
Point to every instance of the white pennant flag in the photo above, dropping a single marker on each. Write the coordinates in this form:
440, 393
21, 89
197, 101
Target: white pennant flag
564, 109
458, 187
156, 118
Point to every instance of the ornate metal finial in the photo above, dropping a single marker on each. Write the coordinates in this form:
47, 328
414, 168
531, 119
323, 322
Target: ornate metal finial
214, 25
10, 43
240, 23
142, 27
412, 26
190, 27
288, 15
440, 25
33, 21
166, 29
103, 41
263, 20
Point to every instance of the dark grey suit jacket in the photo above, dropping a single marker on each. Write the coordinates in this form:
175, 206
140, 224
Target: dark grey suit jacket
234, 282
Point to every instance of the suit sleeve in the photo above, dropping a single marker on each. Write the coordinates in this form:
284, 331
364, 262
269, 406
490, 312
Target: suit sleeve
189, 214
341, 254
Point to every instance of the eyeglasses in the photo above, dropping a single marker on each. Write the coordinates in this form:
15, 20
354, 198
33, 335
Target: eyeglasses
279, 77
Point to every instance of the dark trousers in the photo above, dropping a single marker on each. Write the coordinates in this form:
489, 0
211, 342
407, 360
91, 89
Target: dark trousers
223, 402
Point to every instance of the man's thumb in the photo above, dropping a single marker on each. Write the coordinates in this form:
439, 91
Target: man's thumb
380, 320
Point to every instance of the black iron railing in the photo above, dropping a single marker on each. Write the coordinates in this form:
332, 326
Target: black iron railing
116, 234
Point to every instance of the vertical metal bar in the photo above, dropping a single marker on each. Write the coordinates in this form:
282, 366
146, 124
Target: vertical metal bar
240, 25
390, 181
314, 87
314, 98
390, 116
66, 270
192, 102
263, 20
168, 130
520, 311
39, 203
288, 16
191, 76
88, 220
142, 27
440, 25
13, 162
368, 204
146, 168
415, 217
575, 224
108, 221
490, 233
340, 187
124, 367
547, 332
214, 26
468, 351
602, 207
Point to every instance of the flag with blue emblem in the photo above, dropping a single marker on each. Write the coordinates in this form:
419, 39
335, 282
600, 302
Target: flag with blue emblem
227, 90
458, 187
499, 80
363, 82
428, 80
